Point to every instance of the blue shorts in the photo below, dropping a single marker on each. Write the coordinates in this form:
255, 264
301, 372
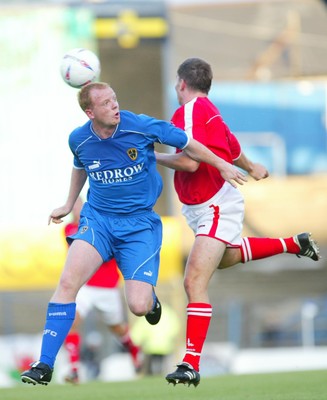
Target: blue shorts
134, 241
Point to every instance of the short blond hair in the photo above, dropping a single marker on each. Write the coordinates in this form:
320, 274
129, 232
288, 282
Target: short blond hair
84, 94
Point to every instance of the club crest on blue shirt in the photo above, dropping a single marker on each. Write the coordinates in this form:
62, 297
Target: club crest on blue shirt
132, 153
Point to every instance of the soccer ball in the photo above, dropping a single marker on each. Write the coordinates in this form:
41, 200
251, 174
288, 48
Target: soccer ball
80, 67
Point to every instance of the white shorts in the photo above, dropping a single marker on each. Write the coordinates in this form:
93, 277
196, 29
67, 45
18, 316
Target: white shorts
108, 301
221, 217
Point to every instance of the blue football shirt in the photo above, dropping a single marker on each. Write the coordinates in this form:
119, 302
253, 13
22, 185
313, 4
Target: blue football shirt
122, 173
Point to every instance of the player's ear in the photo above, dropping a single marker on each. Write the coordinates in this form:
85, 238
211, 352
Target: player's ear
182, 84
89, 113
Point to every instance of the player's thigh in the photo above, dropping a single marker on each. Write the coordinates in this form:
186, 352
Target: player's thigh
231, 257
205, 256
139, 296
81, 263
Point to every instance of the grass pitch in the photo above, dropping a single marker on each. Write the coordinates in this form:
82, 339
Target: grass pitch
308, 385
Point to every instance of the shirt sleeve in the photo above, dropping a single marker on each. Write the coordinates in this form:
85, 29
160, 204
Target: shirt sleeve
76, 162
174, 136
235, 147
166, 133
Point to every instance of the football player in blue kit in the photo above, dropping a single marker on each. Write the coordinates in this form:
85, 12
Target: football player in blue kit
115, 151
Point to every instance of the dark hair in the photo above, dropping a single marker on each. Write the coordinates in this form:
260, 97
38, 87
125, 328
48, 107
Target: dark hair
196, 73
84, 94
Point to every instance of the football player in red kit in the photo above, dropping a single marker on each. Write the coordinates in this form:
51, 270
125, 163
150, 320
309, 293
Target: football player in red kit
213, 208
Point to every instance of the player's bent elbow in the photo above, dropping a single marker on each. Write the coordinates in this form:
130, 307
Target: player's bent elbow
190, 166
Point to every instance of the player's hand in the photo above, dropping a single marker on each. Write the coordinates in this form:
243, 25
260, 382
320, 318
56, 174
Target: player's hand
57, 215
232, 175
258, 172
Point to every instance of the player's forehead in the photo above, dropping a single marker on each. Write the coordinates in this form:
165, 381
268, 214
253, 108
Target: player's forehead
100, 95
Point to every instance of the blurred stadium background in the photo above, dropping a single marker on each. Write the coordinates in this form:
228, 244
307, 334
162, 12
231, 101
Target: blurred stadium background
270, 68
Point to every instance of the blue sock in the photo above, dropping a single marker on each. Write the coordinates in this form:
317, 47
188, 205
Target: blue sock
60, 318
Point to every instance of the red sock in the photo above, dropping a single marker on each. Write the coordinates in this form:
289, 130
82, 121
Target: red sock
72, 345
131, 347
126, 341
257, 248
198, 321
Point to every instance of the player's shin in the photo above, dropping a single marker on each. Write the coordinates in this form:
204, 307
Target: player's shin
59, 320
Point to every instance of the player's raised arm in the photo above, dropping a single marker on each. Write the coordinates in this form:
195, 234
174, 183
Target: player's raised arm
199, 153
178, 161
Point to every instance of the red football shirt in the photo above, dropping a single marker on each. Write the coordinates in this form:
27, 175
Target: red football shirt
107, 276
201, 120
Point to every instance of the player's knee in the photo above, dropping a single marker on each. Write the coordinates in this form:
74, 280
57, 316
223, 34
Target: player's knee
189, 285
68, 286
139, 308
